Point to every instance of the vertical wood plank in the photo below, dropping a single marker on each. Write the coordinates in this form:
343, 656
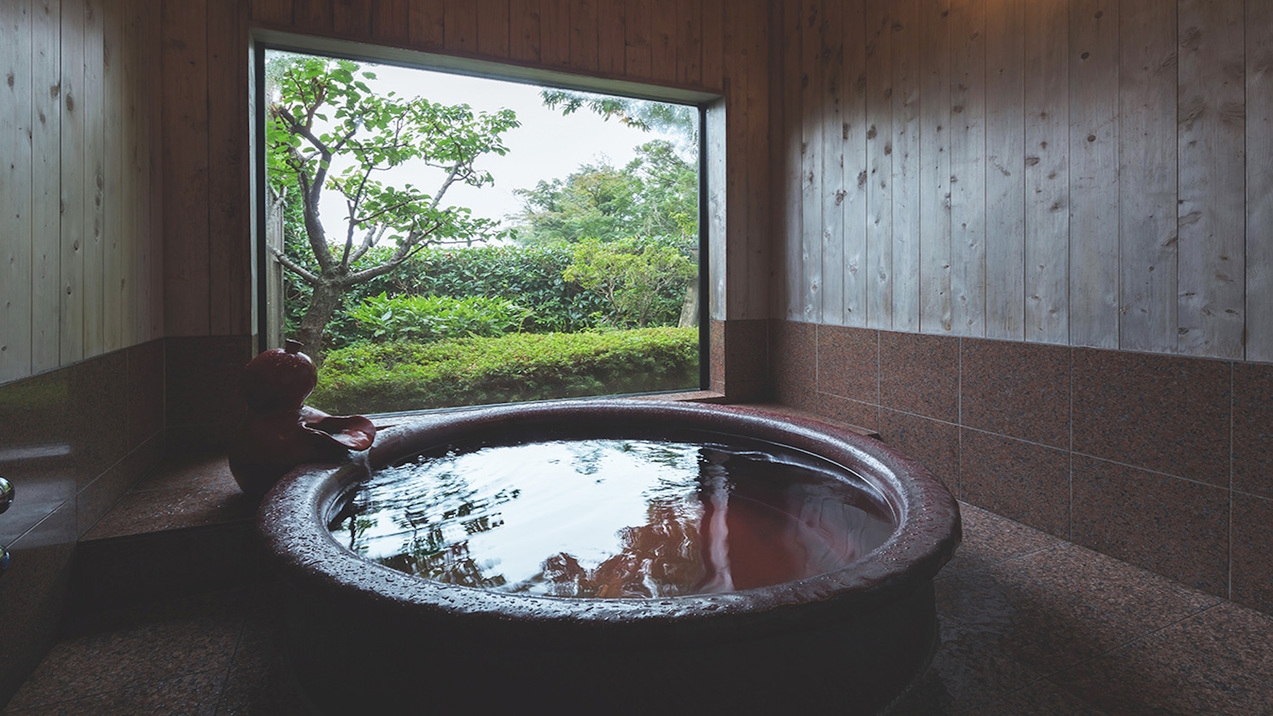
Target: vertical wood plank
611, 34
311, 15
663, 40
811, 160
92, 104
713, 44
854, 169
879, 164
554, 30
906, 164
1094, 173
1005, 164
689, 41
185, 120
459, 26
113, 274
637, 48
15, 191
71, 319
493, 28
523, 31
1212, 178
936, 312
726, 283
791, 241
426, 19
154, 190
583, 36
272, 12
132, 249
391, 21
757, 246
831, 118
45, 184
1047, 207
350, 18
1259, 181
968, 167
229, 233
1147, 175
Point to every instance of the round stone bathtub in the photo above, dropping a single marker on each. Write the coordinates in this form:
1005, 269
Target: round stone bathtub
365, 638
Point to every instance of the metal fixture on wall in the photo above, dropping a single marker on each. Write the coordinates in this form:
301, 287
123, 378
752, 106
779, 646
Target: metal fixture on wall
6, 499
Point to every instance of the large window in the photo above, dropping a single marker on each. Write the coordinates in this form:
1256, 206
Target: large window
439, 239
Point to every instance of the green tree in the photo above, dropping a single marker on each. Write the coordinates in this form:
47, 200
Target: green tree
323, 109
639, 280
654, 195
680, 120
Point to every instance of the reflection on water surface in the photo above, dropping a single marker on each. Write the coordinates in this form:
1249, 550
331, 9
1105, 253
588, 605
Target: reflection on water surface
614, 518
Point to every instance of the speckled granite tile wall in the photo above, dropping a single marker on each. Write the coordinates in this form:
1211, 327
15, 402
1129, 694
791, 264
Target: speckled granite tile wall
71, 442
1163, 461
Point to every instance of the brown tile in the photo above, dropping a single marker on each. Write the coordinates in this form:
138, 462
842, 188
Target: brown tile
1163, 413
968, 673
933, 443
1253, 428
95, 500
848, 363
37, 453
99, 414
920, 374
1216, 662
201, 385
1022, 481
793, 362
991, 539
716, 354
145, 391
863, 415
1170, 526
1041, 699
1252, 569
32, 594
1016, 389
746, 350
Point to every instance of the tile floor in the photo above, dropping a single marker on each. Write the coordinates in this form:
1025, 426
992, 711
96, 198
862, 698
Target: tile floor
1030, 625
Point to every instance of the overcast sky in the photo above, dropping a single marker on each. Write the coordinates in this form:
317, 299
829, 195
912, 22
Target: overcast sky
547, 145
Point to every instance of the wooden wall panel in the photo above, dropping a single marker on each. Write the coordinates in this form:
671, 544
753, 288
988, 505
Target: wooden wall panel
1047, 181
584, 50
748, 269
67, 137
71, 318
831, 121
187, 259
611, 37
663, 40
1212, 178
425, 24
45, 184
811, 169
879, 164
1005, 169
968, 166
1094, 138
229, 231
15, 191
792, 154
349, 17
638, 54
906, 164
93, 108
459, 27
689, 42
391, 21
1259, 181
936, 312
853, 167
1147, 175
554, 33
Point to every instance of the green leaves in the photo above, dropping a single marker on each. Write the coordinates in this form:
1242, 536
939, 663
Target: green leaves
423, 319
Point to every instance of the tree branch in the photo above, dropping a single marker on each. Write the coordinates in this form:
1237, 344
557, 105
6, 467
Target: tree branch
305, 274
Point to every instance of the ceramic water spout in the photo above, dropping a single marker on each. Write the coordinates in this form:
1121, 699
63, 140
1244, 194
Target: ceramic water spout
280, 431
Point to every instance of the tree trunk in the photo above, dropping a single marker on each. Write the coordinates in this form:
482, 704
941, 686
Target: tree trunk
689, 308
322, 306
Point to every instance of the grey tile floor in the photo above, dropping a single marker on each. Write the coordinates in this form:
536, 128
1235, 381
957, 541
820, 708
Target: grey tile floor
1030, 625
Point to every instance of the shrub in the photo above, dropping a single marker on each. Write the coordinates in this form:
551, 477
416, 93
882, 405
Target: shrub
388, 377
423, 319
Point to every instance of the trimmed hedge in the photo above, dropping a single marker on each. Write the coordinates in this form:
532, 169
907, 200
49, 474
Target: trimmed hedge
389, 377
